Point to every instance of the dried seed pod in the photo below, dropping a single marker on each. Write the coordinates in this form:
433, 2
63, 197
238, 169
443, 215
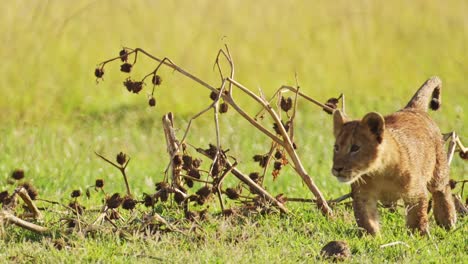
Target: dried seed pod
152, 102
126, 67
211, 151
32, 191
121, 158
17, 174
214, 95
99, 183
194, 173
258, 158
123, 55
148, 200
215, 169
463, 155
187, 162
129, 203
452, 184
223, 108
286, 104
277, 129
204, 191
59, 244
254, 176
278, 155
75, 193
137, 86
99, 72
114, 201
3, 196
232, 194
177, 160
196, 163
332, 103
336, 250
178, 197
189, 182
157, 80
161, 185
278, 165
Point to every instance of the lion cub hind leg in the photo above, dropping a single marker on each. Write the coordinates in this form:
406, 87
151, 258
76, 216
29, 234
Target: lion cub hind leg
366, 213
444, 207
416, 214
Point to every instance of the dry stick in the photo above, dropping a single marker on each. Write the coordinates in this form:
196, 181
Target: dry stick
255, 187
229, 99
120, 168
172, 145
287, 144
5, 215
219, 183
21, 191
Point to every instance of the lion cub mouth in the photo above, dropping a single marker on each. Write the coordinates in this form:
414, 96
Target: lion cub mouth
346, 176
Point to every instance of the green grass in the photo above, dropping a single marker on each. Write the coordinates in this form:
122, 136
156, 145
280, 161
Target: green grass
53, 115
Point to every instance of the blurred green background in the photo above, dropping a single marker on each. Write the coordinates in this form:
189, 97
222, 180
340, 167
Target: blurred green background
53, 114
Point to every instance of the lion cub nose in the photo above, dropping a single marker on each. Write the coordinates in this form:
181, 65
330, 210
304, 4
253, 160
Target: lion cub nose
337, 170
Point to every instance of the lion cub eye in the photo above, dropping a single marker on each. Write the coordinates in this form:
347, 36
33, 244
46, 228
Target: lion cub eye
336, 148
354, 148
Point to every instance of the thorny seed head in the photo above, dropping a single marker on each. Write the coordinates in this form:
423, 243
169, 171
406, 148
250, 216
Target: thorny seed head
196, 163
177, 160
187, 161
161, 185
99, 183
75, 194
128, 203
204, 191
148, 200
126, 67
152, 102
156, 80
114, 201
99, 72
121, 158
286, 104
194, 173
232, 194
17, 174
452, 184
3, 196
32, 191
277, 130
278, 165
211, 151
463, 155
214, 95
261, 159
332, 103
123, 55
134, 87
59, 244
189, 182
278, 155
178, 197
223, 108
254, 176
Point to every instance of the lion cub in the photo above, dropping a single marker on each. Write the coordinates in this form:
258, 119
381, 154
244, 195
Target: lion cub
397, 156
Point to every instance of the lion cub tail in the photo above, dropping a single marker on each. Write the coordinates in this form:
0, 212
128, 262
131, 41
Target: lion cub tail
428, 94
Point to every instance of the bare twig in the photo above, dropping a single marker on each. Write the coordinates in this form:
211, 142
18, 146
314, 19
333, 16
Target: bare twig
121, 169
6, 216
21, 191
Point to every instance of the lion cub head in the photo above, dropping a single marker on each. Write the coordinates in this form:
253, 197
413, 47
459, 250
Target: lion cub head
357, 145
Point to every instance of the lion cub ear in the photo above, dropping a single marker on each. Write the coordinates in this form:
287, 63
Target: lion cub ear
376, 124
338, 121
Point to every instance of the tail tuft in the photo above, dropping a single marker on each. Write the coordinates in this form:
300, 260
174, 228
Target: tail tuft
435, 104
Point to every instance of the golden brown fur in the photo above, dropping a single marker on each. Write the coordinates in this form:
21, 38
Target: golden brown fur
399, 156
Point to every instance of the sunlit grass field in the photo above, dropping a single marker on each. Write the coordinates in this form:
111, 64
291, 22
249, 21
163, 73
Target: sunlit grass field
53, 114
